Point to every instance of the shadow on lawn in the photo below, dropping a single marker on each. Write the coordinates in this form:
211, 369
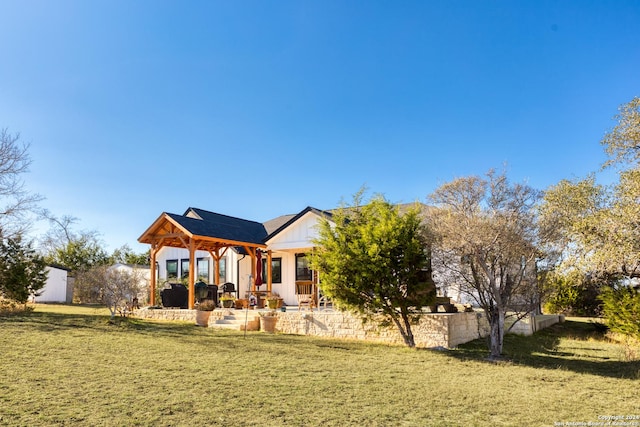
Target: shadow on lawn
49, 322
544, 350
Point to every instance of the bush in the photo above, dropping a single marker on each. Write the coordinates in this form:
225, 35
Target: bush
572, 294
621, 307
9, 307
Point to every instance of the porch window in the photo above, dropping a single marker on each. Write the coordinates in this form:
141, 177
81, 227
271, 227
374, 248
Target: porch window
276, 269
172, 268
203, 269
222, 278
303, 272
184, 268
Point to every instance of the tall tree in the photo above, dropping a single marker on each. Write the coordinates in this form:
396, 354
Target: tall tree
487, 243
374, 260
22, 270
77, 251
622, 143
15, 200
598, 227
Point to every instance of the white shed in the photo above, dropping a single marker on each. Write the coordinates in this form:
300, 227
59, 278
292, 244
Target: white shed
58, 287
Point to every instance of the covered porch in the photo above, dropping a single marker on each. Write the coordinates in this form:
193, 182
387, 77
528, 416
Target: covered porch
199, 230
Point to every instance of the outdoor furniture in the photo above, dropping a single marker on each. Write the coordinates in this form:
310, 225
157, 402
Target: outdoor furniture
306, 293
212, 293
228, 288
176, 295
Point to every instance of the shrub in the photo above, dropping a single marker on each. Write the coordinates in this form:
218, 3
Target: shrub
621, 307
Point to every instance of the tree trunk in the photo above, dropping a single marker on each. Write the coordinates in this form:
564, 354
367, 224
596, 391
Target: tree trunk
405, 330
496, 334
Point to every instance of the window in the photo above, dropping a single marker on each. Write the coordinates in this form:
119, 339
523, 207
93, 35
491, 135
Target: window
303, 272
172, 268
184, 268
203, 269
276, 269
222, 278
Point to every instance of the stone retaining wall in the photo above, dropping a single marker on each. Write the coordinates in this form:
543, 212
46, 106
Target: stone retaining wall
433, 330
444, 330
180, 314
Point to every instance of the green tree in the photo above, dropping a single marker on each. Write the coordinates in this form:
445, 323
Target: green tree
22, 270
622, 143
125, 255
77, 251
374, 260
573, 293
622, 309
487, 244
79, 255
596, 227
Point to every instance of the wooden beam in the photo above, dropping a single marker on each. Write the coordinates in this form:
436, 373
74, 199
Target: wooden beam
152, 280
192, 275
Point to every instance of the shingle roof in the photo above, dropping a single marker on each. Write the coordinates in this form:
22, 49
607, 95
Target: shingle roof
220, 226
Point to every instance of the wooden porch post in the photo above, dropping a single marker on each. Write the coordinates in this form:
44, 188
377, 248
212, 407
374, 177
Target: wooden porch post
152, 279
192, 275
216, 268
269, 272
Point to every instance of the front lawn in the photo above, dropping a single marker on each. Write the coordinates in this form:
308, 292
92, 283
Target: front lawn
70, 366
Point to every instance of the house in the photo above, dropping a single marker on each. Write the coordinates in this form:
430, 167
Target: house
58, 288
217, 249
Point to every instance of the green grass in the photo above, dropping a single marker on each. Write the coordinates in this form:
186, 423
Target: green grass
66, 365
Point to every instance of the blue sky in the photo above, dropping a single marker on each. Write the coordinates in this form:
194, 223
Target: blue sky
260, 108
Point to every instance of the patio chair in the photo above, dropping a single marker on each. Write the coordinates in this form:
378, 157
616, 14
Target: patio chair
305, 291
229, 288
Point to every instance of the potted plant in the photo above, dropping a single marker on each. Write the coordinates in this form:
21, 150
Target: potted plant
227, 301
268, 321
274, 301
241, 303
203, 312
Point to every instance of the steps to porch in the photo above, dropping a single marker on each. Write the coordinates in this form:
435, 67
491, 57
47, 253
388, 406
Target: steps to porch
235, 321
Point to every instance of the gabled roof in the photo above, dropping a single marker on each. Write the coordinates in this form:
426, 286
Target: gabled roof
293, 218
209, 228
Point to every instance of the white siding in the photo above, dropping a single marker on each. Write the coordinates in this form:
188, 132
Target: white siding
298, 235
55, 290
297, 238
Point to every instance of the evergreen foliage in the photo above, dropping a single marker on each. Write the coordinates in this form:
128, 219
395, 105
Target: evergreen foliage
622, 309
22, 270
373, 259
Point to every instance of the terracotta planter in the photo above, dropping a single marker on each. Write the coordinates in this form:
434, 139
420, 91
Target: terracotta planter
268, 324
202, 318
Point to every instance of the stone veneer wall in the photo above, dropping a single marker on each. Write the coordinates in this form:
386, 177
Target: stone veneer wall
433, 330
166, 314
446, 330
180, 314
